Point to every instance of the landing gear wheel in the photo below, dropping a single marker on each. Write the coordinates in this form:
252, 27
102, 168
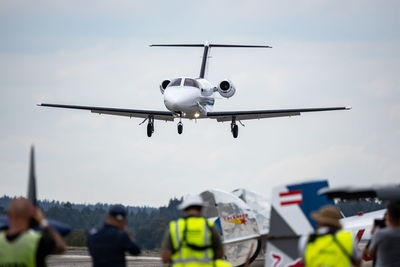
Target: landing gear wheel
180, 128
150, 129
235, 130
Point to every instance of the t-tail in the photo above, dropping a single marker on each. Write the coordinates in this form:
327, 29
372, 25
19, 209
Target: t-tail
290, 218
206, 51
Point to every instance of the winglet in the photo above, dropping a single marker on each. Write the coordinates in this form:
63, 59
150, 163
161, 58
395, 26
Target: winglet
32, 179
349, 108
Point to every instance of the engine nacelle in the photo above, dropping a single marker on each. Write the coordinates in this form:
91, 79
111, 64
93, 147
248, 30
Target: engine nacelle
226, 88
164, 85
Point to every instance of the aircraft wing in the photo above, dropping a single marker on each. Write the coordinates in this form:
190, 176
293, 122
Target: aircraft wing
262, 114
136, 113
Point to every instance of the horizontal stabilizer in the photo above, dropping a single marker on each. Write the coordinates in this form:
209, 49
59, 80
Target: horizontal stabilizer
212, 45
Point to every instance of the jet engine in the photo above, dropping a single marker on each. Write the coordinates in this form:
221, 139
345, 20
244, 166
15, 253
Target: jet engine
164, 85
226, 88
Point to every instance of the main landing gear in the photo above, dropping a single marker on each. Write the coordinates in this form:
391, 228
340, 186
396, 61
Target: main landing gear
150, 127
234, 128
180, 127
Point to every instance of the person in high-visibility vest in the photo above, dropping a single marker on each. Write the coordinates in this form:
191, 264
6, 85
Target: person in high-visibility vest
22, 246
192, 240
329, 245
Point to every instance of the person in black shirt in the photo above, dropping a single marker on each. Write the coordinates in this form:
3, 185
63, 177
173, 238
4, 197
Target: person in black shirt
108, 245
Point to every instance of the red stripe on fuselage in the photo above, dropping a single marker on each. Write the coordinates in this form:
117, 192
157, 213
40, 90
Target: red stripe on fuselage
298, 202
290, 193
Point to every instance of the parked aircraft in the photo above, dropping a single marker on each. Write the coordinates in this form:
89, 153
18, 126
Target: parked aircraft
247, 220
193, 98
62, 228
290, 216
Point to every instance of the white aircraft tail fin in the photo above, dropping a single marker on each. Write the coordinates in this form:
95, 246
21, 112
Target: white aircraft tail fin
290, 218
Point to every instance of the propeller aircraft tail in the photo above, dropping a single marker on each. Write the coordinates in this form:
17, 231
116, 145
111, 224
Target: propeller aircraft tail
290, 218
62, 228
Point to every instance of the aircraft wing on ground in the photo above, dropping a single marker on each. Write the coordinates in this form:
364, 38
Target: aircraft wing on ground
261, 114
383, 192
136, 113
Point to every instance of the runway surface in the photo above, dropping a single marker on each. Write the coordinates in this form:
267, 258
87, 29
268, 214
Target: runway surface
81, 258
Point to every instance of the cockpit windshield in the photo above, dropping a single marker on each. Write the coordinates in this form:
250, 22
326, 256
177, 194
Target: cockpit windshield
191, 82
176, 82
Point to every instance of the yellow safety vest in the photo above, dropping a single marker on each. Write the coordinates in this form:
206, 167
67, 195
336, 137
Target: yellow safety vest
330, 250
192, 242
21, 251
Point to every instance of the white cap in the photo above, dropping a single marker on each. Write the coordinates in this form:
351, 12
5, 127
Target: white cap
191, 200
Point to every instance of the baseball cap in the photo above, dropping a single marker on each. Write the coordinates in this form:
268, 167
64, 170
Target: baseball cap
117, 211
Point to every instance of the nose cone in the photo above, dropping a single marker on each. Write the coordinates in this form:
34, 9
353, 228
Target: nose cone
180, 98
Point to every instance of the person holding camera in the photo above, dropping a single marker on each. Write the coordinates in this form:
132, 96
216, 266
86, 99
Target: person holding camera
378, 224
385, 244
108, 245
22, 246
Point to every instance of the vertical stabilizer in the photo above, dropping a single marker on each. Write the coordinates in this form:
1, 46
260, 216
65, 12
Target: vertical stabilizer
32, 179
290, 218
204, 61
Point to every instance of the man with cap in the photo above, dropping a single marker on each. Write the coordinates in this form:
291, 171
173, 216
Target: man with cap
329, 245
108, 245
192, 240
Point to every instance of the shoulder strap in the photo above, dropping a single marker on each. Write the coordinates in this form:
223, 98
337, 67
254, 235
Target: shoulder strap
345, 252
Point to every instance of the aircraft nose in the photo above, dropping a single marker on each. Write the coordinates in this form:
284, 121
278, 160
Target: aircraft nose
179, 99
171, 100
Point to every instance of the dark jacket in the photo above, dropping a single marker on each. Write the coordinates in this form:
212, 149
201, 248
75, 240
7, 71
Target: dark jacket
108, 245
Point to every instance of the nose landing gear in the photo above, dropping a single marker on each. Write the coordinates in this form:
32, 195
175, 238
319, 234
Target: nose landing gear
180, 127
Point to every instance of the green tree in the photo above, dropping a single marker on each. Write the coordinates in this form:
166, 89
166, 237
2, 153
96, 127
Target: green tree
76, 238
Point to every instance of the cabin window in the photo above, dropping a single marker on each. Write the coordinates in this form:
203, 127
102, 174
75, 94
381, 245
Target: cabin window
191, 82
176, 82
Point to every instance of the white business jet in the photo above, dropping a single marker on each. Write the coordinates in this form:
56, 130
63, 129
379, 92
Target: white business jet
193, 98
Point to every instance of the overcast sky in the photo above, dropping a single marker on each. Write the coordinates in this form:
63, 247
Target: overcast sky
325, 53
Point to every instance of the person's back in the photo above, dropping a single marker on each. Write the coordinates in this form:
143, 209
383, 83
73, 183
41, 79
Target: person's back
329, 245
329, 249
108, 245
387, 243
21, 246
19, 249
192, 240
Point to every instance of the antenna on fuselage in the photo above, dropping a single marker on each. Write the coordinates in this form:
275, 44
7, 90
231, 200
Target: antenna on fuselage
206, 51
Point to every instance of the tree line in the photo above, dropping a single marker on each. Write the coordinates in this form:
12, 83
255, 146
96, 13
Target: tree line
146, 224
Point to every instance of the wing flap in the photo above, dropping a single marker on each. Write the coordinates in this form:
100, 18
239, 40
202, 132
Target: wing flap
262, 114
135, 113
